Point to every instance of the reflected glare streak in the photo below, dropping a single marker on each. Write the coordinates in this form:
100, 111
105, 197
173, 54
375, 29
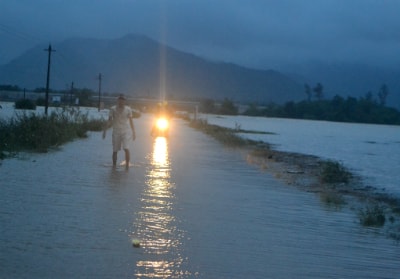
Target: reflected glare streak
160, 153
161, 239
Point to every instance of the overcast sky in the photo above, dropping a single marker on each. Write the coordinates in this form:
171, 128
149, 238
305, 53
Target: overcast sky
255, 33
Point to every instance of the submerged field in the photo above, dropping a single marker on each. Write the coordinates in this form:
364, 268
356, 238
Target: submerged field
337, 185
199, 209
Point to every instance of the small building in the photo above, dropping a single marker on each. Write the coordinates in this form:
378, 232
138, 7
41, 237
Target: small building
56, 99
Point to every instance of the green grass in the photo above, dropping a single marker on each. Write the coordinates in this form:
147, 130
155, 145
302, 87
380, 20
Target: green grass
38, 133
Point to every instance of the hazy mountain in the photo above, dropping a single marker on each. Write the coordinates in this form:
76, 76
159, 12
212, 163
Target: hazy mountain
138, 66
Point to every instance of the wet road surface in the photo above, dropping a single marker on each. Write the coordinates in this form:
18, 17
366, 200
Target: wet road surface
198, 209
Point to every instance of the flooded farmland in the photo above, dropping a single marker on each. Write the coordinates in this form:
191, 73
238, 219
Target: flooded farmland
197, 208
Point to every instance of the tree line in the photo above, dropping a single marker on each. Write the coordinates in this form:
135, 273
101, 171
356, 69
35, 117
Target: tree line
366, 109
362, 110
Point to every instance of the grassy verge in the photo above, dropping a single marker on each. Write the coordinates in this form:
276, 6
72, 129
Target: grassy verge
31, 132
330, 179
225, 135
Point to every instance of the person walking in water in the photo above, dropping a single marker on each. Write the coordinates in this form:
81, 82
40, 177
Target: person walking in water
120, 118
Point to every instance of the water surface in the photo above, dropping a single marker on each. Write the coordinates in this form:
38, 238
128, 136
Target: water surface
370, 151
198, 209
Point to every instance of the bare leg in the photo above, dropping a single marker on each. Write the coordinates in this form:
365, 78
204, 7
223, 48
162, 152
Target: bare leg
114, 159
127, 158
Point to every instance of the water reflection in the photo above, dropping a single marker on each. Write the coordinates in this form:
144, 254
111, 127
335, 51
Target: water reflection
156, 224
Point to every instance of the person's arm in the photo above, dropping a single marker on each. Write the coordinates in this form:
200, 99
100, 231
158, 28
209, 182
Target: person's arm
106, 126
132, 128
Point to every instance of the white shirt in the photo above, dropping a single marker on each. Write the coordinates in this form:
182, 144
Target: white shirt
120, 119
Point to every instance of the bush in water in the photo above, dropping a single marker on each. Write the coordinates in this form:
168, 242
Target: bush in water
334, 172
372, 216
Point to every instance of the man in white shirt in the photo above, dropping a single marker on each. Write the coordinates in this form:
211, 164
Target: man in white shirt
120, 118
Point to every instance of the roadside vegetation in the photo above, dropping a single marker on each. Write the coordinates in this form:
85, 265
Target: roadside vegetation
332, 199
224, 135
38, 133
334, 172
227, 136
25, 104
372, 216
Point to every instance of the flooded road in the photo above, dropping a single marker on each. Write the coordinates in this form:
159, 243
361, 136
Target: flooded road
198, 209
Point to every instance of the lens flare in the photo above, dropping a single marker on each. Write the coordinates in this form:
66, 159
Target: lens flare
162, 123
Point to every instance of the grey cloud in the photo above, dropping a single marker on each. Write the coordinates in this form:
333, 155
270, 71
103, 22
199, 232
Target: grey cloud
246, 32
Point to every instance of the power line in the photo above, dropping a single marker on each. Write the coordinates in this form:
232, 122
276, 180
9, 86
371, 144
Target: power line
15, 40
20, 35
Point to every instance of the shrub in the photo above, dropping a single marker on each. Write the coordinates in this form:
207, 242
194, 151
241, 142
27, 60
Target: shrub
334, 172
38, 133
41, 102
332, 198
372, 216
25, 104
224, 135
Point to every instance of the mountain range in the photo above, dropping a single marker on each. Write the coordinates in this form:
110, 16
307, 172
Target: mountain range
141, 67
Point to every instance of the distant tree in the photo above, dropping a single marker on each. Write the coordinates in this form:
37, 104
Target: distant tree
228, 107
40, 90
40, 102
207, 106
7, 87
308, 91
84, 96
362, 110
319, 91
336, 109
253, 110
382, 94
25, 104
369, 97
290, 109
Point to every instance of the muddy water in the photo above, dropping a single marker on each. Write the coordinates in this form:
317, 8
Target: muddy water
197, 208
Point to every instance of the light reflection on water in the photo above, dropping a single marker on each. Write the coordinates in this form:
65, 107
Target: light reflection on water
156, 225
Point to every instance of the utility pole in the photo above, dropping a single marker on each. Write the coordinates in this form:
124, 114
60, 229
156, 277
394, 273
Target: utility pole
99, 78
70, 94
49, 50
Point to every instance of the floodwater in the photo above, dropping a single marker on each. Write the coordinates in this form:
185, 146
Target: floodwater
198, 209
368, 150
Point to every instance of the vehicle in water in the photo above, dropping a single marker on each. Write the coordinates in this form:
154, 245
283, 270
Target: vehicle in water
160, 127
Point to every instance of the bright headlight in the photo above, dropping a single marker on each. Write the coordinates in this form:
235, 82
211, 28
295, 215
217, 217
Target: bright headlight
162, 123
